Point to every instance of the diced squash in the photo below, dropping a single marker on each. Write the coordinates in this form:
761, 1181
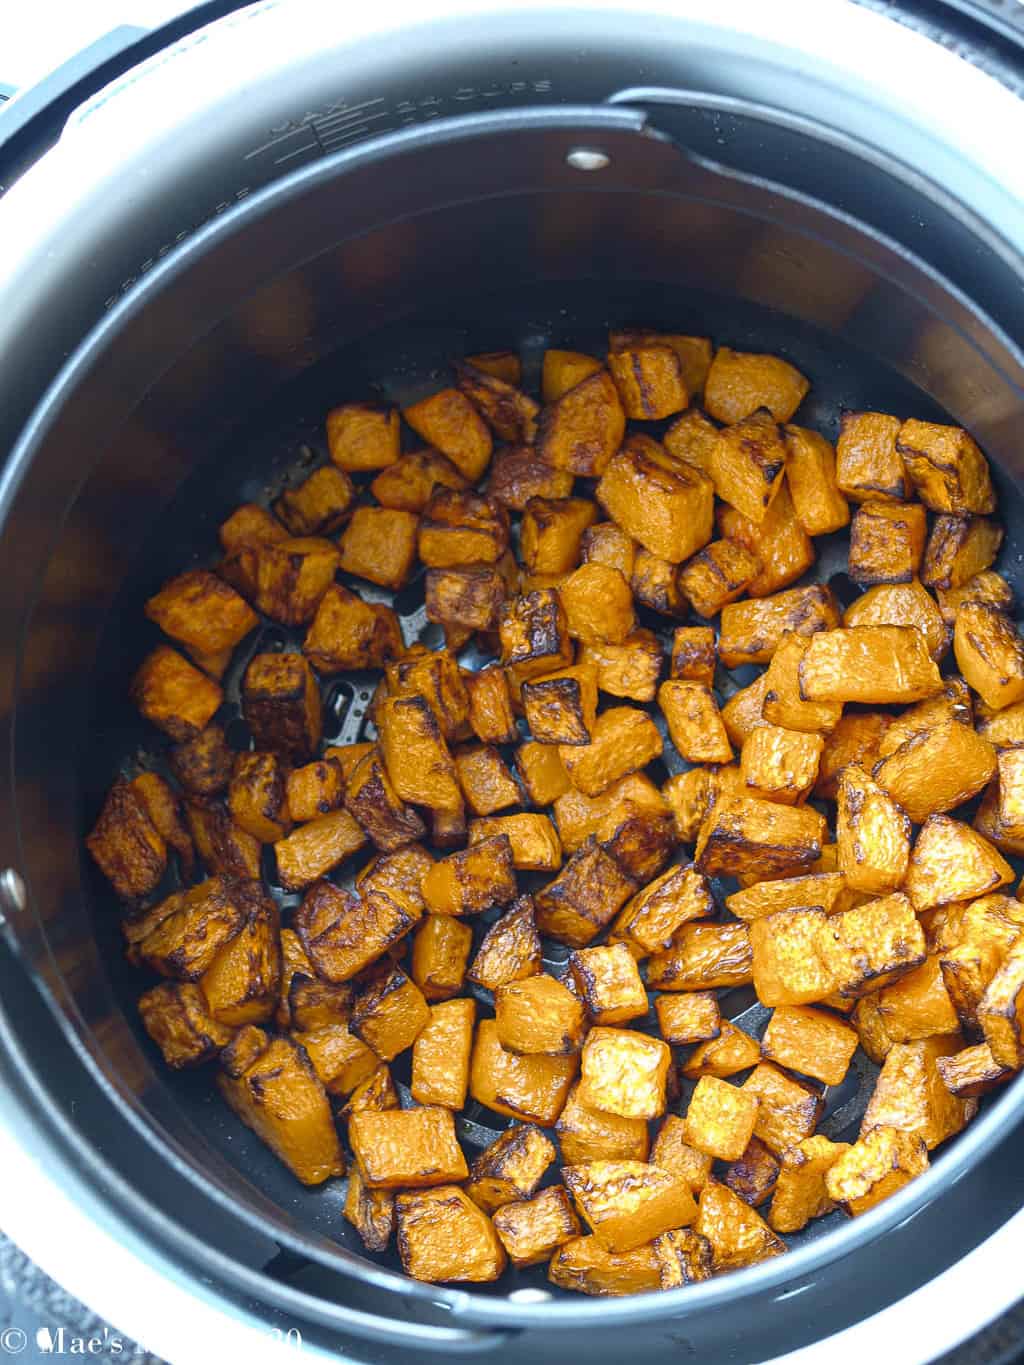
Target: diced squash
948, 471
664, 503
628, 1203
582, 429
450, 423
780, 765
530, 1087
990, 654
531, 1230
871, 945
444, 1237
811, 475
810, 1041
872, 834
747, 464
630, 669
441, 1053
868, 465
510, 950
440, 952
688, 1017
875, 1167
958, 549
649, 379
624, 1073
511, 1168
952, 862
740, 382
609, 983
901, 604
887, 542
408, 484
588, 1134
701, 957
750, 631
538, 1015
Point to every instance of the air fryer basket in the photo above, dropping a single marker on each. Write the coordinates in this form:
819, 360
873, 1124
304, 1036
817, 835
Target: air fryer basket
361, 275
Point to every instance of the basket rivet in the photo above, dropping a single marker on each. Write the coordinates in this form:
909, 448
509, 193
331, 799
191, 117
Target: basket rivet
588, 159
12, 892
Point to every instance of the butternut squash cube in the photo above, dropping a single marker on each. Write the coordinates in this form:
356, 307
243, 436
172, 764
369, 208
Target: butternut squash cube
937, 770
511, 1168
811, 475
271, 1086
1001, 1010
563, 370
720, 1120
408, 484
868, 466
972, 1072
249, 525
753, 1176
441, 1053
126, 845
202, 612
958, 549
372, 800
450, 423
583, 428
749, 632
747, 464
800, 1192
204, 763
539, 1015
531, 1230
284, 579
987, 586
469, 598
948, 471
809, 1041
887, 542
684, 1257
731, 1051
624, 1073
689, 1017
243, 982
398, 876
440, 952
628, 1203
390, 1014
598, 605
340, 1059
606, 543
632, 797
875, 1167
664, 503
780, 765
319, 504
531, 1087
655, 584
281, 705
855, 740
609, 983
551, 533
1004, 729
485, 780
542, 772
990, 654
823, 890
952, 862
702, 956
399, 1148
649, 379
788, 1111
443, 1237
718, 574
473, 880
161, 804
872, 834
418, 762
693, 656
490, 706
623, 739
872, 664
348, 633
316, 848
694, 353
361, 436
918, 1005
176, 1016
510, 950
910, 1095
173, 695
510, 413
343, 934
871, 945
587, 1134
583, 1265
747, 835
788, 964
741, 382
584, 898
534, 840
783, 547
673, 1153
315, 789
371, 1212
504, 365
630, 669
694, 721
901, 604
660, 909
534, 636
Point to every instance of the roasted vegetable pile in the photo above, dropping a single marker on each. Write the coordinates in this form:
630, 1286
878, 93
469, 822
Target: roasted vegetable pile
498, 899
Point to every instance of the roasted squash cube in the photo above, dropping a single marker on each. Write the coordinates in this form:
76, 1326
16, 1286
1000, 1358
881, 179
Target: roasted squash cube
872, 834
720, 1119
284, 579
752, 1177
694, 353
658, 911
990, 654
418, 762
958, 549
871, 945
584, 898
190, 927
563, 370
281, 705
609, 544
622, 740
390, 1014
202, 612
316, 848
1004, 729
741, 382
747, 464
684, 1257
583, 1265
624, 1073
398, 876
551, 533
868, 465
472, 880
948, 471
583, 428
783, 547
542, 772
909, 1094
642, 844
511, 1168
628, 1203
972, 1072
809, 1041
319, 504
242, 983
694, 721
176, 1016
470, 598
518, 475
691, 437
443, 1237
534, 636
539, 1015
490, 706
173, 695
800, 1192
873, 664
531, 1230
276, 1093
461, 528
373, 802
343, 934
504, 365
160, 803
655, 584
222, 845
510, 950
579, 816
340, 1059
937, 769
918, 1005
855, 740
780, 765
440, 952
560, 707
348, 633
361, 436
371, 1212
531, 1086
783, 705
673, 1153
598, 605
450, 423
693, 656
730, 1051
718, 574
609, 983
534, 840
257, 796
887, 542
744, 834
875, 1167
510, 413
823, 890
630, 669
310, 1003
1001, 1010
901, 604
314, 789
249, 525
952, 862
788, 1111
811, 475
485, 780
399, 1148
126, 845
750, 632
702, 957
664, 503
203, 764
649, 379
787, 960
689, 1017
408, 484
587, 1134
987, 586
441, 1053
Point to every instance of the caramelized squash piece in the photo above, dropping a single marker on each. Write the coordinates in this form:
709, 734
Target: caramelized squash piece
529, 1087
628, 1203
740, 382
875, 1167
624, 1073
663, 503
582, 429
748, 462
444, 1237
511, 1168
811, 475
868, 465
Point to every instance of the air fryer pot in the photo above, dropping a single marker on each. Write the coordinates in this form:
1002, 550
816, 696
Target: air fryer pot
302, 203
